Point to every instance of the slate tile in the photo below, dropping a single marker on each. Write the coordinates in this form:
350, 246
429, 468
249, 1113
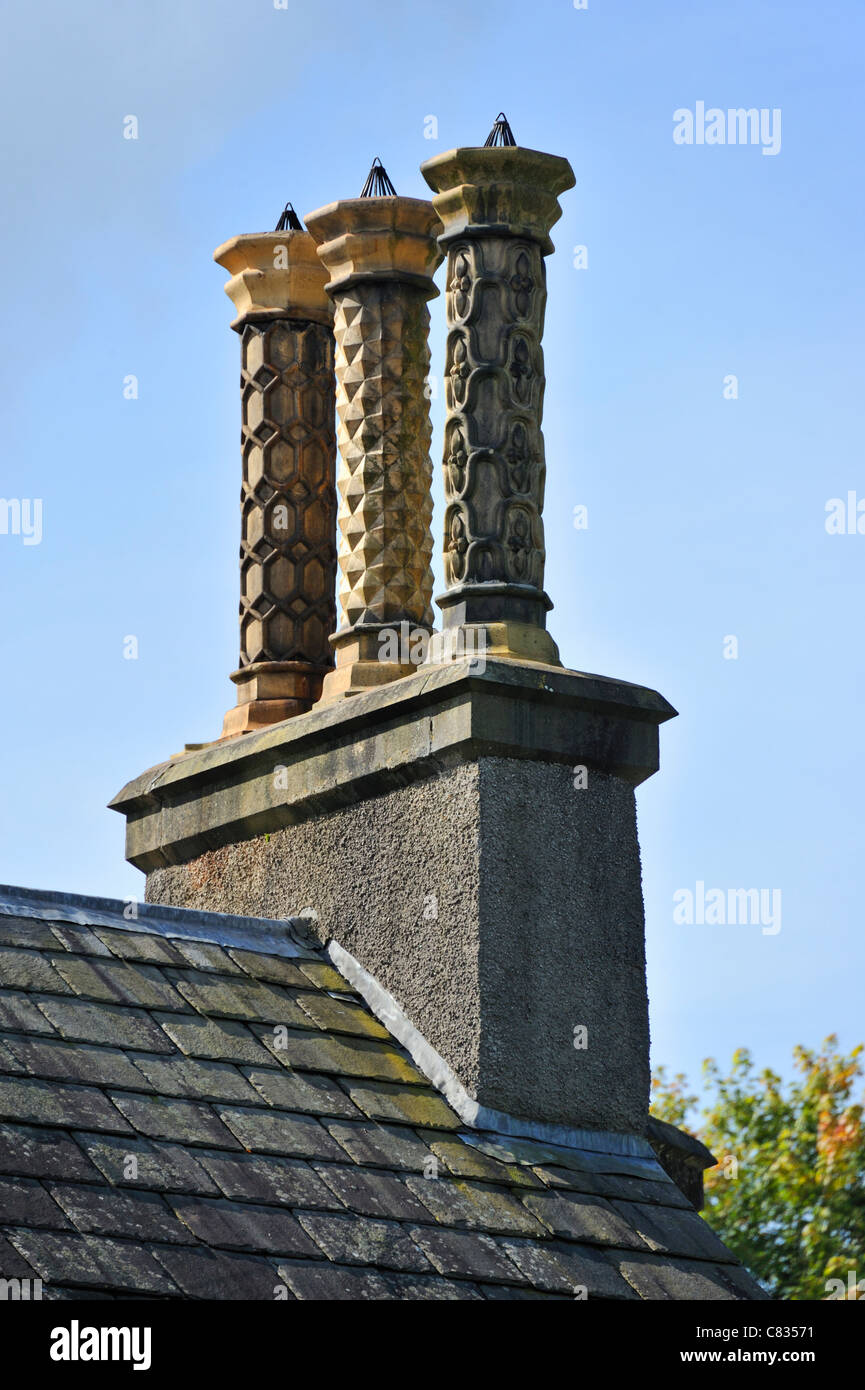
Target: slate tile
353, 1240
325, 1282
274, 970
24, 1202
307, 1092
419, 1106
143, 1216
736, 1277
268, 1131
238, 997
43, 1153
141, 946
339, 1016
508, 1293
465, 1161
382, 1146
18, 1014
465, 1254
79, 939
206, 955
22, 931
341, 1056
55, 1293
195, 1079
9, 1064
556, 1267
12, 1263
56, 1059
621, 1165
186, 1121
105, 1023
659, 1277
211, 1274
591, 1184
580, 1217
664, 1194
66, 1258
324, 976
157, 1166
223, 1040
455, 1202
611, 1185
674, 1232
243, 1226
118, 982
371, 1193
410, 1288
28, 970
288, 1182
51, 1104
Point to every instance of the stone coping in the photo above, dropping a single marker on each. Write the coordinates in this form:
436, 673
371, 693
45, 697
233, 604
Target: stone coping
407, 731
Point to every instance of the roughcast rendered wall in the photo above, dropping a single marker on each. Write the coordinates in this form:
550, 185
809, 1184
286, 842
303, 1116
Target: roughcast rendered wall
499, 903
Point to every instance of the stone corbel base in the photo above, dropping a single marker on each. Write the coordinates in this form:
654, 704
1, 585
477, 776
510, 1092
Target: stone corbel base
270, 691
361, 658
504, 641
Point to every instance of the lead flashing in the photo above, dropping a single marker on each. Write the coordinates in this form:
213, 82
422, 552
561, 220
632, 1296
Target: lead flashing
440, 1074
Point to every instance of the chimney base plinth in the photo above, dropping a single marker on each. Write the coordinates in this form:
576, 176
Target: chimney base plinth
365, 658
505, 641
260, 714
270, 691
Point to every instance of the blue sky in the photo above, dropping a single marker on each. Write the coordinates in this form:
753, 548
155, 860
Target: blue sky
706, 515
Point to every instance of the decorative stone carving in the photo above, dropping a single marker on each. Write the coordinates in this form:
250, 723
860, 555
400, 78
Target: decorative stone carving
384, 437
381, 253
288, 499
497, 206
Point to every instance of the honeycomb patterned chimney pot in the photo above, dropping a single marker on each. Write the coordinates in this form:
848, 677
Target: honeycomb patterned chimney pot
288, 498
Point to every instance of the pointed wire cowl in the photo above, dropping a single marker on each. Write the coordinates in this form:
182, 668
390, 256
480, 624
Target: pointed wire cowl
378, 185
501, 133
288, 220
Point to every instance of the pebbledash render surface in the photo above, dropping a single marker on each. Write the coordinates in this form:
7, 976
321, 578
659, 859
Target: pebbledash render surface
380, 1029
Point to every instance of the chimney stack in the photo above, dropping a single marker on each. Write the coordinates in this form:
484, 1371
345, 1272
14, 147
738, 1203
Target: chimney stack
464, 835
288, 447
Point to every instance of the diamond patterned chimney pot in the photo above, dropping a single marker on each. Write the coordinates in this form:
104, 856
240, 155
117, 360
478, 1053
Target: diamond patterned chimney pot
497, 205
288, 499
381, 253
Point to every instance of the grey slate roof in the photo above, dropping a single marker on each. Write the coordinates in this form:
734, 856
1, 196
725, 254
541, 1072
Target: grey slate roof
183, 1117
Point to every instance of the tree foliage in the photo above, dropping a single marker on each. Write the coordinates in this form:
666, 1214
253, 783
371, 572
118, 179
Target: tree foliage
788, 1193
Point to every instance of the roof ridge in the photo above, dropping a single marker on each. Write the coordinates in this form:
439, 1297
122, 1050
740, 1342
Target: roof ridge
288, 936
